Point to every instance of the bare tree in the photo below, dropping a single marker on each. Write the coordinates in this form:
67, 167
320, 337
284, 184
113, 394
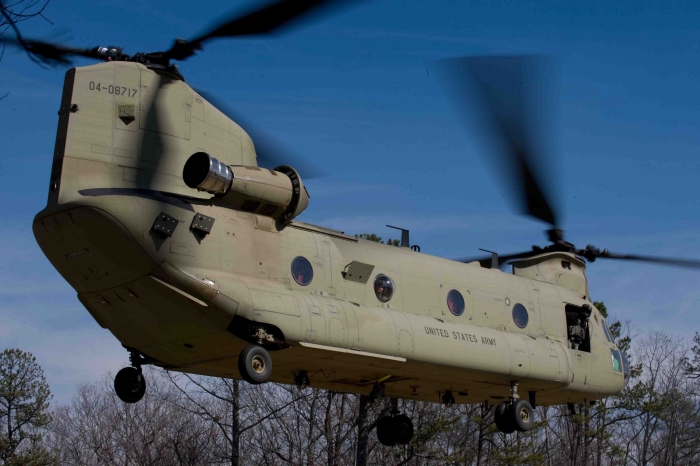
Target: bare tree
233, 407
17, 11
98, 428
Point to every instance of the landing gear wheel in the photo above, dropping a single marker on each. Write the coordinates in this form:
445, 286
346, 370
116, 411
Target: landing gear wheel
403, 428
255, 364
523, 415
130, 385
395, 430
386, 433
504, 419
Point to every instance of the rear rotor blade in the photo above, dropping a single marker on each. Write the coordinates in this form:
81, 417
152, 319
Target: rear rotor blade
270, 152
50, 54
506, 96
43, 53
265, 20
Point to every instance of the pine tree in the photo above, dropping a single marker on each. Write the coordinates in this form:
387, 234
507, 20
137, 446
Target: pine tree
24, 409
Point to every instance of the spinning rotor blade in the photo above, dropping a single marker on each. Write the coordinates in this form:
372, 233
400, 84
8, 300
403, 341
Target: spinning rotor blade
50, 54
506, 94
265, 20
592, 253
270, 152
487, 261
45, 53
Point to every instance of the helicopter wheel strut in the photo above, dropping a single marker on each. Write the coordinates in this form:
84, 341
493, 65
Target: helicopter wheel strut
394, 429
129, 383
255, 364
514, 415
518, 416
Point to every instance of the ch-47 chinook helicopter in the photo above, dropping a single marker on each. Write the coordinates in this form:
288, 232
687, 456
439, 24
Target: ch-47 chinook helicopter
181, 244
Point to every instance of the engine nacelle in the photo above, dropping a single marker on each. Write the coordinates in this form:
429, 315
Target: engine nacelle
277, 193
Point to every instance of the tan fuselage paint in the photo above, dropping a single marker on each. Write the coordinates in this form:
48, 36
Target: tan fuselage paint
173, 298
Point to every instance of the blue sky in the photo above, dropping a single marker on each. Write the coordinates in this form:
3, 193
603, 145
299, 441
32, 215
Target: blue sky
356, 94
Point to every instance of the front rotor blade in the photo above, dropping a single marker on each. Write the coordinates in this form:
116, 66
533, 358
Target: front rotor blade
505, 96
270, 18
270, 152
487, 261
690, 263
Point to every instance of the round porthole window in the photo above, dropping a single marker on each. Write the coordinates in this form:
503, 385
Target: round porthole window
455, 302
383, 288
302, 271
520, 316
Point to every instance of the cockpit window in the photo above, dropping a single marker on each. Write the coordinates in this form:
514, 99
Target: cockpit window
616, 360
626, 369
606, 330
383, 288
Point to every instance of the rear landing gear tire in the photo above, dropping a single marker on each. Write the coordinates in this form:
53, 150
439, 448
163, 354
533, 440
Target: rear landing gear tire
255, 364
130, 385
395, 430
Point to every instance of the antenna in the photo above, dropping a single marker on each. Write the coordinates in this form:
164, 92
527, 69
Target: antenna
494, 258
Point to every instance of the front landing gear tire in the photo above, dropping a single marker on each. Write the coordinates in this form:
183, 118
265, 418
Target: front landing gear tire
395, 430
404, 429
503, 418
523, 415
386, 434
255, 364
518, 415
130, 385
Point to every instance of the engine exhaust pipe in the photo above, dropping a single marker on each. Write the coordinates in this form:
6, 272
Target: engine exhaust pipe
277, 193
204, 173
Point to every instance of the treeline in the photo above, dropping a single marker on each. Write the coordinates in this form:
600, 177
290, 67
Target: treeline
193, 420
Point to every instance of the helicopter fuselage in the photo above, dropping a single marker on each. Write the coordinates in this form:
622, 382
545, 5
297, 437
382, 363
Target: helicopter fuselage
126, 232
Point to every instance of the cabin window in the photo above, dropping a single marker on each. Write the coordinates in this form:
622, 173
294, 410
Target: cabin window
302, 271
455, 302
383, 288
606, 331
520, 316
616, 360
